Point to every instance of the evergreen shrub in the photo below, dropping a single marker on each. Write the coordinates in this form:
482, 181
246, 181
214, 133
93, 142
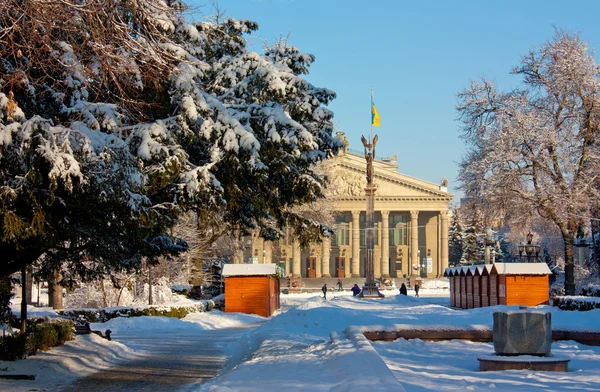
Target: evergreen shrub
47, 333
12, 347
576, 303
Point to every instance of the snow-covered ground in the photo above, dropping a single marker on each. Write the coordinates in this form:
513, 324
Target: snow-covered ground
303, 347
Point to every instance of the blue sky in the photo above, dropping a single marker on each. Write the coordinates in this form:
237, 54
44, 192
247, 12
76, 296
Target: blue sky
417, 55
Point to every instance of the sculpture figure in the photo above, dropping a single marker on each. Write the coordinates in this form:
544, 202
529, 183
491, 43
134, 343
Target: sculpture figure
369, 156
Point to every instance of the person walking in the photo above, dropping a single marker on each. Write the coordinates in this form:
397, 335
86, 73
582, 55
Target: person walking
403, 289
339, 284
416, 289
324, 289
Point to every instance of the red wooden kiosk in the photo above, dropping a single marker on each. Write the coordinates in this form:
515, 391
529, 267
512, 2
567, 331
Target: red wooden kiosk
522, 283
251, 288
485, 285
469, 275
449, 273
462, 274
493, 288
477, 286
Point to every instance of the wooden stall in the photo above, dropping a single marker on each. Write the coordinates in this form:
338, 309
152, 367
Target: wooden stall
449, 273
477, 286
462, 274
485, 285
470, 272
251, 288
522, 283
493, 288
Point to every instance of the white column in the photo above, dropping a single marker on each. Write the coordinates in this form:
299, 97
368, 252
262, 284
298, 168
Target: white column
355, 271
296, 259
414, 241
444, 248
385, 244
325, 255
268, 246
317, 261
262, 251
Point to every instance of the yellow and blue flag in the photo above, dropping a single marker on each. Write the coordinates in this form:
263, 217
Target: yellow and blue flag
374, 114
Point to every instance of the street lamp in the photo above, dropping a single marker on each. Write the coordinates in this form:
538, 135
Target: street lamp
529, 249
489, 242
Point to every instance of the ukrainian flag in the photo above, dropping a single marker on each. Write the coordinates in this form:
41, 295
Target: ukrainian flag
374, 114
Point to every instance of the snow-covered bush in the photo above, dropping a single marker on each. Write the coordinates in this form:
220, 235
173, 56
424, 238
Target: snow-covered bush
576, 303
105, 314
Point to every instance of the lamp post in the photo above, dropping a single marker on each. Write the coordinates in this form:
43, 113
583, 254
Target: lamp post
529, 250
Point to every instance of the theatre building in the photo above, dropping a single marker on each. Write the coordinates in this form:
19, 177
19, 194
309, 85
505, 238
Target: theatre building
411, 226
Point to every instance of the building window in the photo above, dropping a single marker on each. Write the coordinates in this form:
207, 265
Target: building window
342, 234
399, 229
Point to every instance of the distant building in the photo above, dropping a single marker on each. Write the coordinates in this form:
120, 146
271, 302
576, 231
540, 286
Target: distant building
413, 212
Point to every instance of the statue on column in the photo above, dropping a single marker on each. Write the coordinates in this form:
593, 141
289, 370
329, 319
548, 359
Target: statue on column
369, 156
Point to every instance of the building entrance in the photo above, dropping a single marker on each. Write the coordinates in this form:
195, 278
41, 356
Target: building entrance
340, 267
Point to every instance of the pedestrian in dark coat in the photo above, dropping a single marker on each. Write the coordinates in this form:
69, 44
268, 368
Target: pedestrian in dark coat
324, 289
403, 289
339, 284
416, 290
355, 290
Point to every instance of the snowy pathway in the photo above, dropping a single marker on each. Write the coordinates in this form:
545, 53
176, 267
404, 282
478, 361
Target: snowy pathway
174, 361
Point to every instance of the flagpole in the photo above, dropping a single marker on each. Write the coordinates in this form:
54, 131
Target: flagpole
372, 100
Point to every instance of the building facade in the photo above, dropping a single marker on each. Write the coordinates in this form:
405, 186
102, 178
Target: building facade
411, 226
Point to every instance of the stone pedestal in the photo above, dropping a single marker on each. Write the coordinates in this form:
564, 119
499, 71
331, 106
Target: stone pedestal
523, 340
523, 332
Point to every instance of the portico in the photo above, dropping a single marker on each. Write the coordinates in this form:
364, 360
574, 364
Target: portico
410, 221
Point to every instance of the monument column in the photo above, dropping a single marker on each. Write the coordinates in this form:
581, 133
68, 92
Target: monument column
355, 271
414, 241
296, 259
385, 244
444, 247
325, 254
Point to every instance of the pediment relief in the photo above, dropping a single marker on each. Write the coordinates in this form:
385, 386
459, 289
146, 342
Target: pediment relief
349, 181
345, 183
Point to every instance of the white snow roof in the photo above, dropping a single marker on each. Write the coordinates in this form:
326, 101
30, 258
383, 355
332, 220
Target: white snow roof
249, 269
522, 269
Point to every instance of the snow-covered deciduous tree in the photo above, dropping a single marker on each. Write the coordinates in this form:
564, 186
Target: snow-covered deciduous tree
534, 151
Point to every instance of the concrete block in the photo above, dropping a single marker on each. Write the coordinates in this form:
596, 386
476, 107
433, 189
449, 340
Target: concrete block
522, 332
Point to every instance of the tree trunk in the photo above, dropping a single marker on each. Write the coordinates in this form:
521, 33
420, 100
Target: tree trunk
24, 287
149, 285
569, 265
29, 281
103, 290
55, 295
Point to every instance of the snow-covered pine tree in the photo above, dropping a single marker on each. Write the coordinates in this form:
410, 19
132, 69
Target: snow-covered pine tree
473, 246
257, 128
69, 183
455, 239
168, 117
